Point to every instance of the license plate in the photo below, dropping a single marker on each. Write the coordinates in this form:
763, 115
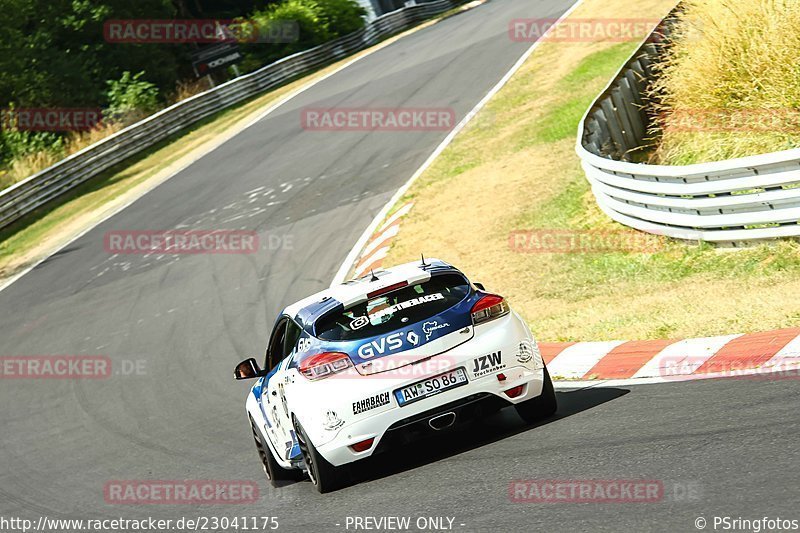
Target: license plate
431, 386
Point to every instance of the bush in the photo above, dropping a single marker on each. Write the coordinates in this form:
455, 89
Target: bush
15, 144
341, 16
316, 22
130, 98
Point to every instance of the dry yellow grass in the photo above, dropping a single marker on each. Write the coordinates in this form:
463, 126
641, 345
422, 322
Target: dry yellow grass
729, 87
32, 163
517, 170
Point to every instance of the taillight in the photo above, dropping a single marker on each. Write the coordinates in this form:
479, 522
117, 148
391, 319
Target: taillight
362, 446
324, 364
515, 391
488, 308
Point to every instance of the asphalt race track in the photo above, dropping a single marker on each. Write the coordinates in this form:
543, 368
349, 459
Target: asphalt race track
175, 326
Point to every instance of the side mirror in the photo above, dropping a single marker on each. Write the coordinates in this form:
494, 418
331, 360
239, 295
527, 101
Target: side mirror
247, 369
480, 286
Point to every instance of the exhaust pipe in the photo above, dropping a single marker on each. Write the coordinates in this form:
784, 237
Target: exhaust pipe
442, 421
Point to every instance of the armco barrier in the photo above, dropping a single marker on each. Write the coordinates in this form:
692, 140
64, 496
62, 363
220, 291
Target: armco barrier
33, 192
726, 202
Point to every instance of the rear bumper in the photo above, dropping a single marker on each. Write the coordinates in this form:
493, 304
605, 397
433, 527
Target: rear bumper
412, 428
399, 425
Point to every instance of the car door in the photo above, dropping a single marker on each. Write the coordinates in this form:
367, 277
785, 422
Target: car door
280, 350
288, 375
270, 403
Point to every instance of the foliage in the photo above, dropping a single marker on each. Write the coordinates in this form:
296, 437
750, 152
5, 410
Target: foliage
314, 22
131, 97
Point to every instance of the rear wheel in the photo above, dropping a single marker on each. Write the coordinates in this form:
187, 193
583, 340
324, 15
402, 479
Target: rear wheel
323, 475
275, 472
541, 407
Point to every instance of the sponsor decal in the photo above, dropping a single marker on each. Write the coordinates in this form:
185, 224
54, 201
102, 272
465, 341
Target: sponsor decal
486, 364
380, 346
373, 402
525, 353
387, 344
430, 327
332, 421
303, 344
405, 305
359, 322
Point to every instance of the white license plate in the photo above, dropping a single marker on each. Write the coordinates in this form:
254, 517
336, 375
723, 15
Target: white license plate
431, 386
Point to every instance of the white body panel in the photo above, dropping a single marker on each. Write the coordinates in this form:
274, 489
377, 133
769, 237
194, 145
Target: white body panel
333, 413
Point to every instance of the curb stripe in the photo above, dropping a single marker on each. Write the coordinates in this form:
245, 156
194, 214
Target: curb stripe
390, 233
576, 360
687, 354
626, 359
376, 249
550, 350
403, 211
748, 351
788, 356
373, 262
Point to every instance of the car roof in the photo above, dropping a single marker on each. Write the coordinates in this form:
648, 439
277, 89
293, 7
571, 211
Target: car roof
306, 311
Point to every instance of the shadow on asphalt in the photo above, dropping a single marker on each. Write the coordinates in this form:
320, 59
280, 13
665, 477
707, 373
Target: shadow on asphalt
501, 425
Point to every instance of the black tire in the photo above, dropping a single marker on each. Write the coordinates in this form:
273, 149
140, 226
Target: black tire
324, 476
541, 407
276, 474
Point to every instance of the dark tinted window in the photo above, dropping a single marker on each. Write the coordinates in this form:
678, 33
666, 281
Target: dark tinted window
275, 347
293, 333
394, 310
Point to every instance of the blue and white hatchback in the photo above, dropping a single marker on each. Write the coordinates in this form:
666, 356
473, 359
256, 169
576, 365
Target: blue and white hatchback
379, 360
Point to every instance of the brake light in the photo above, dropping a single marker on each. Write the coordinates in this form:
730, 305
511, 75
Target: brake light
384, 290
324, 364
362, 446
488, 308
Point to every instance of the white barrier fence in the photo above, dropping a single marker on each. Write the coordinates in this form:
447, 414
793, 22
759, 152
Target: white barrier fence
726, 202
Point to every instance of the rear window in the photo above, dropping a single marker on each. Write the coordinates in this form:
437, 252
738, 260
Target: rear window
394, 310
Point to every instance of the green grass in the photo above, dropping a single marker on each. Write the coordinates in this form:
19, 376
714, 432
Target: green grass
560, 121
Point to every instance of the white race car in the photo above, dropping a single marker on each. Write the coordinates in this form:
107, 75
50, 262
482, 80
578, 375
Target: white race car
360, 367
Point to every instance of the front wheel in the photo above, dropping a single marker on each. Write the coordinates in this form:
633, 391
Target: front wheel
323, 475
275, 472
541, 407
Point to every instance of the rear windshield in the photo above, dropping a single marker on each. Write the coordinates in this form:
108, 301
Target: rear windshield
394, 310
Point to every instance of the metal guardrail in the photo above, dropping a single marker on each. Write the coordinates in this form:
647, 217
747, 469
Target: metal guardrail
33, 192
725, 202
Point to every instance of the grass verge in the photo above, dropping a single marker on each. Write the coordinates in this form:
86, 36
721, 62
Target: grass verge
515, 170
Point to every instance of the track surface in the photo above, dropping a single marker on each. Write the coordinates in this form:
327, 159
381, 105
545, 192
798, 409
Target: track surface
189, 320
